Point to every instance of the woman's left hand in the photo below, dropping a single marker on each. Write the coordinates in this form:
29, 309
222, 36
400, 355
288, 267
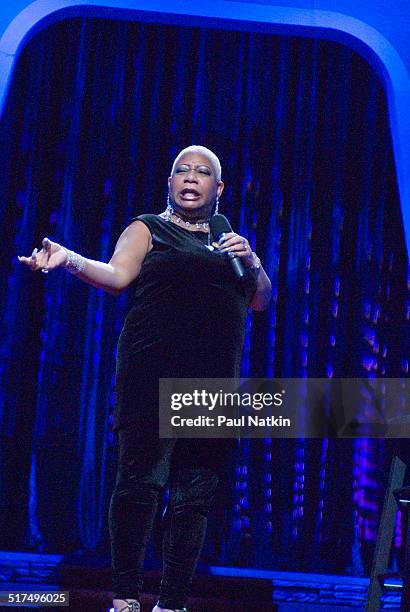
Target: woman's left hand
236, 244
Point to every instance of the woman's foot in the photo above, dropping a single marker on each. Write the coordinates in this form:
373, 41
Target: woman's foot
126, 605
158, 609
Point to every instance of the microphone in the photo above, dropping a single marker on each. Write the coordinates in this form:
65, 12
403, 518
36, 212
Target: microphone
219, 225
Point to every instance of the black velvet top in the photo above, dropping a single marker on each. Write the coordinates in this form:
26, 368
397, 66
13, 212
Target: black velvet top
188, 320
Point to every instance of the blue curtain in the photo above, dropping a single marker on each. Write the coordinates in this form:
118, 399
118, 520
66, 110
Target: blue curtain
87, 142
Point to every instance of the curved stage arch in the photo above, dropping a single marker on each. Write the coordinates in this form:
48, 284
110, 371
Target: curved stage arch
22, 21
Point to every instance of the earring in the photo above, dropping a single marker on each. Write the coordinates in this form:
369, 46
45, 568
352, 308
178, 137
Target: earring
216, 209
169, 209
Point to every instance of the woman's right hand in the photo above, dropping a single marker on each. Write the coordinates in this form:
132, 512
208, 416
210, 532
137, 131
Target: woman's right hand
51, 256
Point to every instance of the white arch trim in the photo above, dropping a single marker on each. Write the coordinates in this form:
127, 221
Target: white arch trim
225, 14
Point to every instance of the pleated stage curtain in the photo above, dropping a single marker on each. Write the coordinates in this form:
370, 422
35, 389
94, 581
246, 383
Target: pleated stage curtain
97, 111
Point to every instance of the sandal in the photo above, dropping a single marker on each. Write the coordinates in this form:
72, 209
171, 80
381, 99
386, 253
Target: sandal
132, 606
175, 610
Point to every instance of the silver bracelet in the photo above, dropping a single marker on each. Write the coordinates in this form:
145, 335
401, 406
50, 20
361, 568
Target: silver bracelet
75, 263
256, 267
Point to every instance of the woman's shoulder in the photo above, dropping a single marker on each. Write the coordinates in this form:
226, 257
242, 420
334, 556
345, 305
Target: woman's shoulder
153, 222
148, 218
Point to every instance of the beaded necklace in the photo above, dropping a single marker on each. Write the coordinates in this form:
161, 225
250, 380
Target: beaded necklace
198, 224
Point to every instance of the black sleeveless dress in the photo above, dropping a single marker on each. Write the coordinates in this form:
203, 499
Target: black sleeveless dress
188, 320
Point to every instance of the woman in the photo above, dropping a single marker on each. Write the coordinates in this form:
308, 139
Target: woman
188, 320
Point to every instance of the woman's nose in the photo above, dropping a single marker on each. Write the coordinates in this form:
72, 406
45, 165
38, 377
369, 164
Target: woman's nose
190, 175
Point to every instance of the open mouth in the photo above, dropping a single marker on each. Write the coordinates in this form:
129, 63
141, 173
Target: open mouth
189, 194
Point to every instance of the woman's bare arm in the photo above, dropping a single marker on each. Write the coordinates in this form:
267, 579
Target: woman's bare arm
262, 295
238, 245
116, 275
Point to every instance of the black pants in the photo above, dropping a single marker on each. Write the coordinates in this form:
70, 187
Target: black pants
145, 464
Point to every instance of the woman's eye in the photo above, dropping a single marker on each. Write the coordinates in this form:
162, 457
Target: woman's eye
186, 169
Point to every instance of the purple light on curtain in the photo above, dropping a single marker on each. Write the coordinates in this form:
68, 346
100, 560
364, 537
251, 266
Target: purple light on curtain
301, 130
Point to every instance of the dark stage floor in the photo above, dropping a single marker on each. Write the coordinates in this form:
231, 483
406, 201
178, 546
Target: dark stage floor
215, 589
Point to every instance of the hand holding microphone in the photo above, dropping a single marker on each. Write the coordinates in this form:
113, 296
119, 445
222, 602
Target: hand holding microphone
235, 246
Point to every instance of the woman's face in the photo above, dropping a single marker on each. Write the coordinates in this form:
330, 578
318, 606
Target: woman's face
193, 187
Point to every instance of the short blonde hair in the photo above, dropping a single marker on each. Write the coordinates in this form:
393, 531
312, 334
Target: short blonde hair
216, 164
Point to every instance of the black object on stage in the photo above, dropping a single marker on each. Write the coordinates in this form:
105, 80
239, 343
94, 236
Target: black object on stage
220, 225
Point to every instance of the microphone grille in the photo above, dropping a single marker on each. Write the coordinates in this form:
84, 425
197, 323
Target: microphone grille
219, 224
